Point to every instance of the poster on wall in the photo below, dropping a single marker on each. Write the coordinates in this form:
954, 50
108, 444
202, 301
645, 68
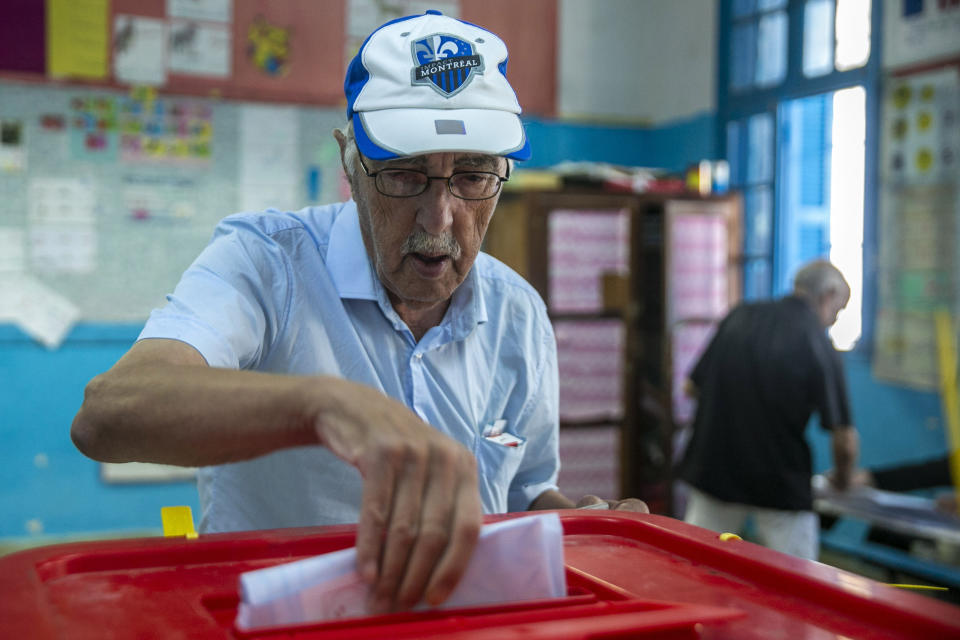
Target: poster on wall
921, 127
166, 130
77, 34
920, 31
276, 54
139, 50
919, 210
93, 128
206, 10
61, 231
198, 48
13, 150
269, 151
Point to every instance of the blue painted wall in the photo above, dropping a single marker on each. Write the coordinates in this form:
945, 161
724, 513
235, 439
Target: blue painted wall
896, 424
672, 146
45, 481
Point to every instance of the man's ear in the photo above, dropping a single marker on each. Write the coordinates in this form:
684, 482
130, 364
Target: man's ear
348, 171
342, 143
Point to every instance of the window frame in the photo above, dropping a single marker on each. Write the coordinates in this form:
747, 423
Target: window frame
741, 104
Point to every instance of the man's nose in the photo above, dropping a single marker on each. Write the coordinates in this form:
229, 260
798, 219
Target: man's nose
437, 205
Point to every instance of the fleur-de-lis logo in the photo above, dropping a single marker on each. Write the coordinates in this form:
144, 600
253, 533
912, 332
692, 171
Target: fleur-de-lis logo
444, 62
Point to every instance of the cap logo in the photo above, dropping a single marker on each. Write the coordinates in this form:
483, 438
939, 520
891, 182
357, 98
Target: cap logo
444, 62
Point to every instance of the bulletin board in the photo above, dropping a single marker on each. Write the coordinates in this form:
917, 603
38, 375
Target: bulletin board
106, 196
919, 234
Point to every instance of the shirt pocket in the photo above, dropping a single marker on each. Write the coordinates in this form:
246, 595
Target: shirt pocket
497, 465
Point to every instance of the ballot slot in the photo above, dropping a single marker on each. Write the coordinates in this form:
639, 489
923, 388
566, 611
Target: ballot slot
606, 607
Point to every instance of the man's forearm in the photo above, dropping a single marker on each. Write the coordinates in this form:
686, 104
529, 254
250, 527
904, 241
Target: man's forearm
189, 415
845, 445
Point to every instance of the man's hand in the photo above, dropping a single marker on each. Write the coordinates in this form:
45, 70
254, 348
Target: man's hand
627, 504
551, 499
420, 514
859, 478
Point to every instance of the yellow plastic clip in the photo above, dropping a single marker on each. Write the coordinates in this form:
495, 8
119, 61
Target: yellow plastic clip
724, 537
178, 521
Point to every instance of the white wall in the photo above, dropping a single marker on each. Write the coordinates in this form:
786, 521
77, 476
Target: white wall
647, 61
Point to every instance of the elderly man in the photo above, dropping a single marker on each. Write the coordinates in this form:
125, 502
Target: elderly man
769, 366
363, 361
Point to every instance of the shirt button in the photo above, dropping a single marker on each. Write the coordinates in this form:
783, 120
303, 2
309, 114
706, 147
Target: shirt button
418, 356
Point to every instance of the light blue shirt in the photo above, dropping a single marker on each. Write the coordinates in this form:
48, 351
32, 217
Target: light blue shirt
295, 293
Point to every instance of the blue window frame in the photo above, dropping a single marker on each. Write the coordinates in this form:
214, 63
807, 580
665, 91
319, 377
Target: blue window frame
777, 67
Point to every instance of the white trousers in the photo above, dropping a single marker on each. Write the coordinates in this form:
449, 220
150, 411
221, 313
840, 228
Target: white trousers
793, 532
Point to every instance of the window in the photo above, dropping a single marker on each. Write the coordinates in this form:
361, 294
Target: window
796, 83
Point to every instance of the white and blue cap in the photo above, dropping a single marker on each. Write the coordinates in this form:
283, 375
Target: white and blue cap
430, 83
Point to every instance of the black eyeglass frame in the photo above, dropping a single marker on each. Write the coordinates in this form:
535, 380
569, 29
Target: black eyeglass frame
426, 185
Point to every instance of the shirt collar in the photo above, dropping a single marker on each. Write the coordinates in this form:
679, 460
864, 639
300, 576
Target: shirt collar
352, 275
347, 260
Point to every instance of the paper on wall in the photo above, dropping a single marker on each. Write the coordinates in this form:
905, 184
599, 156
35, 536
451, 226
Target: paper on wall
199, 48
42, 313
139, 50
61, 232
12, 250
517, 559
269, 158
210, 10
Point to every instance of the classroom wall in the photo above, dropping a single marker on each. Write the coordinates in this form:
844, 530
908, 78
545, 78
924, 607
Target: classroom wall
654, 64
50, 490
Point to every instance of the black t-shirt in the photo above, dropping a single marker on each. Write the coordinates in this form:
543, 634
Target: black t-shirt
767, 369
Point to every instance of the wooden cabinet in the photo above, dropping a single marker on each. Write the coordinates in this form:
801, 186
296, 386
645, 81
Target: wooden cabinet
635, 285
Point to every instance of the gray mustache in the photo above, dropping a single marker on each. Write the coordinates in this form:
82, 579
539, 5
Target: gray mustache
423, 242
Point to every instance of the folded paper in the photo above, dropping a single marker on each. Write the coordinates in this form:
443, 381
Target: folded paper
517, 559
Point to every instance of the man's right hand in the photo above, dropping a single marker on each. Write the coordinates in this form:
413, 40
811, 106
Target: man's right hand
420, 514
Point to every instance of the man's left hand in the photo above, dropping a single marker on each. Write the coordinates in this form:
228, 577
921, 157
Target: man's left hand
627, 504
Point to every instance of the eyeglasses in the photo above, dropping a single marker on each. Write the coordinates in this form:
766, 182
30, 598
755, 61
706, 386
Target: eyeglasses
407, 183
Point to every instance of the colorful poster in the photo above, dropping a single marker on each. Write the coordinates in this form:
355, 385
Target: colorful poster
274, 54
93, 128
921, 128
919, 208
77, 35
268, 47
178, 131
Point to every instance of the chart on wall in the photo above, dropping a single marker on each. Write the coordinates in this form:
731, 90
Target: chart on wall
918, 31
918, 230
107, 196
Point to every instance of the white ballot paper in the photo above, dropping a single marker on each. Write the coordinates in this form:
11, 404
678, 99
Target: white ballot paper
514, 560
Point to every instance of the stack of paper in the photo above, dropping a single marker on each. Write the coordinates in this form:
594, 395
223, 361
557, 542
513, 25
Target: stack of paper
517, 559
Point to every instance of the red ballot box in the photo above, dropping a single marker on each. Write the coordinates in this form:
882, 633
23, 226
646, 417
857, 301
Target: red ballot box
628, 576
